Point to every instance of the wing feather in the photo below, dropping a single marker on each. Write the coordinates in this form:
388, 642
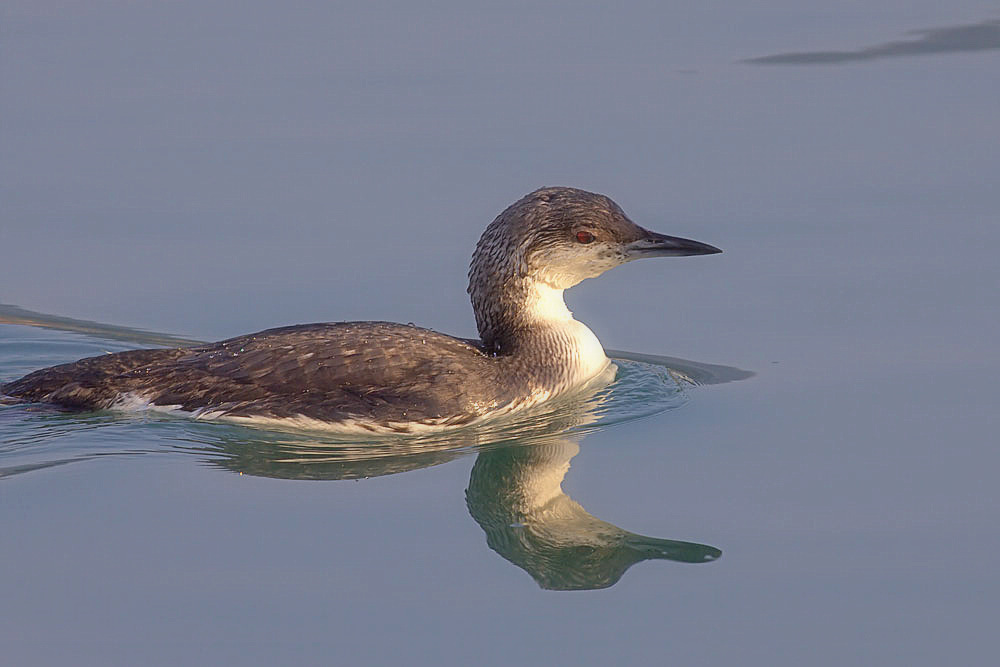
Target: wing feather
335, 371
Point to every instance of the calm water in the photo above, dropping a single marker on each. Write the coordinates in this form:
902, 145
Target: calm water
209, 169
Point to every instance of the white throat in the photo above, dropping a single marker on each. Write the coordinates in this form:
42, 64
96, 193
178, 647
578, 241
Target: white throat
585, 354
545, 304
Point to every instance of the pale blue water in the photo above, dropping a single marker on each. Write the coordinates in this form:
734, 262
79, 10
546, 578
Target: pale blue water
210, 169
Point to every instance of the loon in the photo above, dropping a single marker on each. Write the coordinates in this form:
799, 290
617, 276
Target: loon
387, 377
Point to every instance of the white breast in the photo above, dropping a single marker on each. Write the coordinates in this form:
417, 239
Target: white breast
585, 356
585, 351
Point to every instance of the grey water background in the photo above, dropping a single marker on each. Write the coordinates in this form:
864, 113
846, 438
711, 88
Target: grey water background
210, 169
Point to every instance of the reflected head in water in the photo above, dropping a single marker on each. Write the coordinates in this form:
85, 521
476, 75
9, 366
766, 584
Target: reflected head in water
514, 490
515, 495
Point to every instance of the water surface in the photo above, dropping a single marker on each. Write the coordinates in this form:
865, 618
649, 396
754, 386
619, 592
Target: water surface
210, 170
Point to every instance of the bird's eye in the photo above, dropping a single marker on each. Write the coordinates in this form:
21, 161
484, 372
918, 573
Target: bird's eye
584, 237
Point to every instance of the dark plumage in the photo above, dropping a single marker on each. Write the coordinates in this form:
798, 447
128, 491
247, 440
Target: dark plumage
380, 375
314, 370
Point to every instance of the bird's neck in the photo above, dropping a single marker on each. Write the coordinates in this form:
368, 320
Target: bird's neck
528, 320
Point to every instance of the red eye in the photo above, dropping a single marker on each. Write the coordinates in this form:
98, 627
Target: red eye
584, 237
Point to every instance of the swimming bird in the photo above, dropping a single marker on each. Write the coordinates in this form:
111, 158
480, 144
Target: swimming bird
387, 377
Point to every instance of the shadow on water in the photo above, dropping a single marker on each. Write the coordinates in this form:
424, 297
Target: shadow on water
948, 39
515, 488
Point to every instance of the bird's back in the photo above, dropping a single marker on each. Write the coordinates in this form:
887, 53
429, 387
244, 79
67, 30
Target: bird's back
375, 374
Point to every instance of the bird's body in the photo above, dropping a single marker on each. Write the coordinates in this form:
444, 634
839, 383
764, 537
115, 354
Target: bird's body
381, 376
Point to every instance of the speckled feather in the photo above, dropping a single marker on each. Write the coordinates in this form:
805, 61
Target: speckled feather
332, 372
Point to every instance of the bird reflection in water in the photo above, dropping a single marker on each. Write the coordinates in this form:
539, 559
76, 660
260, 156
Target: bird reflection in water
515, 494
515, 489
